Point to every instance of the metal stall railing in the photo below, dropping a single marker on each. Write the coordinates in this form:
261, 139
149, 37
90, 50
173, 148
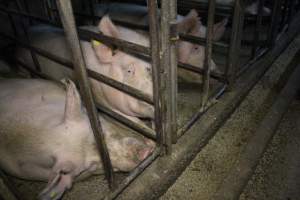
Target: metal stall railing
162, 54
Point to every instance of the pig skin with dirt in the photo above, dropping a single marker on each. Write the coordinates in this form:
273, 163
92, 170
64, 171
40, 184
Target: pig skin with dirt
45, 135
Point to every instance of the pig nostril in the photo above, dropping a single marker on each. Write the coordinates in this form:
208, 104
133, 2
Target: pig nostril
142, 155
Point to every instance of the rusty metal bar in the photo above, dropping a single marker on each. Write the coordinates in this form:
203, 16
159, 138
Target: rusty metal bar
201, 41
235, 42
67, 18
208, 53
200, 71
136, 172
173, 69
258, 27
189, 123
88, 35
144, 130
166, 91
155, 61
131, 48
95, 75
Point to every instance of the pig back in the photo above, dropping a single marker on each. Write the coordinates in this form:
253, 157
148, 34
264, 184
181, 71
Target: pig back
52, 40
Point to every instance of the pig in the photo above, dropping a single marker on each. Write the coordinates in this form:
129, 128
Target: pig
45, 135
189, 53
102, 59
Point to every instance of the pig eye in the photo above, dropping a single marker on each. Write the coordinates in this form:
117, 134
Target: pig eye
196, 48
148, 69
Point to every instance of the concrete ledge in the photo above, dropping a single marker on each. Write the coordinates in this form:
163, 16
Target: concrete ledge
156, 179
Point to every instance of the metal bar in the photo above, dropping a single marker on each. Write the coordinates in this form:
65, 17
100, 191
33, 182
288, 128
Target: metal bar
138, 50
258, 27
201, 41
235, 42
95, 75
250, 63
88, 35
144, 130
166, 91
239, 175
184, 37
200, 71
173, 70
182, 130
208, 53
136, 172
67, 18
156, 69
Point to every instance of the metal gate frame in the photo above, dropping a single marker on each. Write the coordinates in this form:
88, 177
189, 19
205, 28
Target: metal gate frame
162, 54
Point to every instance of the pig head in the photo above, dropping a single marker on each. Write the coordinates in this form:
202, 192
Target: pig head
45, 135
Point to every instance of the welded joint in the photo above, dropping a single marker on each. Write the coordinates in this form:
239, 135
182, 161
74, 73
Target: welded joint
174, 36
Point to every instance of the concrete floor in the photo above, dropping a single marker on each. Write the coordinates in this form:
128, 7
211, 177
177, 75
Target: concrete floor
276, 177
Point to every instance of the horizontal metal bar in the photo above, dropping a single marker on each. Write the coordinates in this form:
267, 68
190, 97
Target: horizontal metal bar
136, 172
198, 70
184, 37
144, 130
189, 123
107, 80
88, 35
201, 41
134, 49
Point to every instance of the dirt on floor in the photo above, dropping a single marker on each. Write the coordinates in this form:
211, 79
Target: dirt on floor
276, 177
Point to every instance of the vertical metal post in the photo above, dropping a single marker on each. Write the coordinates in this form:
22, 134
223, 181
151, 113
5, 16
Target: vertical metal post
168, 95
154, 44
173, 68
67, 18
274, 22
258, 28
235, 42
208, 53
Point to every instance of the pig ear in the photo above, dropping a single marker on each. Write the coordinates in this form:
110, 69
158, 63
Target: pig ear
190, 23
73, 110
103, 52
219, 29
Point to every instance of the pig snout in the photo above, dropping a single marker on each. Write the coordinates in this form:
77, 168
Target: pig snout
145, 152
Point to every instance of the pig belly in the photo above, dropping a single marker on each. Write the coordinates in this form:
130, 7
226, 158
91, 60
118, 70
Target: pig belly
23, 115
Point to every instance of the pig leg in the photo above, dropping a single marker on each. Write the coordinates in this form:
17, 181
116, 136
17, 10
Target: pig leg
61, 179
